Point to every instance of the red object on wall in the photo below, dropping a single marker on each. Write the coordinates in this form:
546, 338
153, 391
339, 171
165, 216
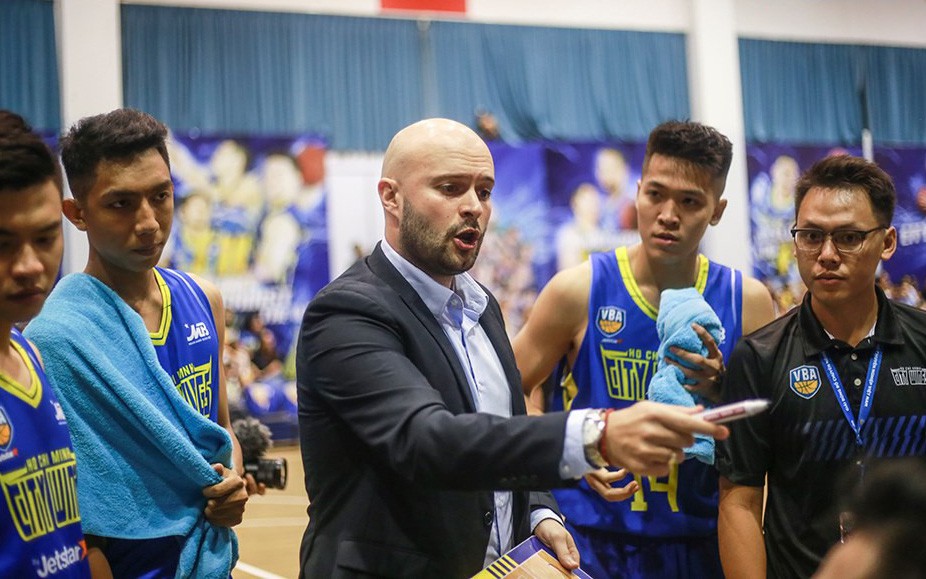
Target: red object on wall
311, 161
458, 6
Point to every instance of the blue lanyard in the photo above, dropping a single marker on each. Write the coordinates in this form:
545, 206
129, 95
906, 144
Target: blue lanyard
868, 396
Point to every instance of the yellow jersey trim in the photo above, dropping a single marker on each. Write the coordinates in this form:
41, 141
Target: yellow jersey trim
623, 264
570, 390
160, 336
31, 394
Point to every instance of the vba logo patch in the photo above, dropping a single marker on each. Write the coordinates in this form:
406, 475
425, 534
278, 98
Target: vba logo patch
610, 320
6, 431
805, 381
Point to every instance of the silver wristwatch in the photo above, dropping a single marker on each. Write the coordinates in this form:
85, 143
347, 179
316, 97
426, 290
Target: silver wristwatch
592, 430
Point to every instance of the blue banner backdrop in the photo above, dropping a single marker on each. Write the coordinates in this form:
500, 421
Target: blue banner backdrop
250, 216
554, 203
908, 168
773, 173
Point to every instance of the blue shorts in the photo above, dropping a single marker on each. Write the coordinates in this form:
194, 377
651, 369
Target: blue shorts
615, 556
144, 558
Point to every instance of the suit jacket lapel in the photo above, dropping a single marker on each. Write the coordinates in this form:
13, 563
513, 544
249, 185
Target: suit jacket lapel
388, 273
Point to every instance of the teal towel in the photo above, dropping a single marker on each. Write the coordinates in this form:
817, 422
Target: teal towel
678, 309
143, 453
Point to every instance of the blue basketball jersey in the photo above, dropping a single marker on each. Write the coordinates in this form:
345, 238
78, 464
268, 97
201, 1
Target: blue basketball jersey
186, 341
187, 346
614, 366
40, 534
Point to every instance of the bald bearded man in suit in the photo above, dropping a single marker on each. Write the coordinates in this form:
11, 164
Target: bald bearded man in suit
419, 458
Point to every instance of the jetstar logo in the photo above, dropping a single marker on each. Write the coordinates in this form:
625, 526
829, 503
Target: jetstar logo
60, 560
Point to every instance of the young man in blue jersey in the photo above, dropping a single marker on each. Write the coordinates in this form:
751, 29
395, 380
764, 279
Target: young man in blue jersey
166, 405
35, 445
669, 528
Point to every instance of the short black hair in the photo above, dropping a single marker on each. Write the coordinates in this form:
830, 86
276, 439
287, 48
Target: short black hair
848, 172
890, 504
699, 145
117, 135
25, 159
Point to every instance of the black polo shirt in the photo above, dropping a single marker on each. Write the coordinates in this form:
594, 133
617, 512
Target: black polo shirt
804, 442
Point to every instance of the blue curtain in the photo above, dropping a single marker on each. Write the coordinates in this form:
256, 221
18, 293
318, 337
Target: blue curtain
354, 81
896, 89
807, 93
554, 83
29, 62
801, 93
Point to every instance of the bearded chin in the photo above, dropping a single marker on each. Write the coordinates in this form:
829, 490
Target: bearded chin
432, 252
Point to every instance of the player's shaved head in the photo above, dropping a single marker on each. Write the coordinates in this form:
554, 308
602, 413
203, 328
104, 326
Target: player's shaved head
435, 190
417, 142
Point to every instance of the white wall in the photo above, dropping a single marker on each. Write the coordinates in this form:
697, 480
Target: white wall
344, 7
888, 22
355, 216
716, 99
91, 74
90, 63
885, 22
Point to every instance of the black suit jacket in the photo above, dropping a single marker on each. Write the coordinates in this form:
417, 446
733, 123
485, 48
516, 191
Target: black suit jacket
399, 466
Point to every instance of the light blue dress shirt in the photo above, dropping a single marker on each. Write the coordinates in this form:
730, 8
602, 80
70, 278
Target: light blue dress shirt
458, 314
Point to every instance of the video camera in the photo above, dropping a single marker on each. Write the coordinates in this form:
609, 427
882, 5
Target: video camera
254, 439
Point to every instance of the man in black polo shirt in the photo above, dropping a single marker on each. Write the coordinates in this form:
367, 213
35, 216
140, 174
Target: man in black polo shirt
845, 372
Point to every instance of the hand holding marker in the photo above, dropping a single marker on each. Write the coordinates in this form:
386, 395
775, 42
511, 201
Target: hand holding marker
734, 411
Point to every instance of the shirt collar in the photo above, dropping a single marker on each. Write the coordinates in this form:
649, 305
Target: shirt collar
437, 297
885, 331
870, 333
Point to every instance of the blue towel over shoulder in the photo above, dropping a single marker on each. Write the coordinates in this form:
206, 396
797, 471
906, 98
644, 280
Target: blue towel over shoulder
678, 309
143, 453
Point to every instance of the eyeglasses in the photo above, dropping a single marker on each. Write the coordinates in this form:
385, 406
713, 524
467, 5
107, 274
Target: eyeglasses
846, 240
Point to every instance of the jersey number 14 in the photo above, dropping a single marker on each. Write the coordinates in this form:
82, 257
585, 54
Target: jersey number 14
670, 487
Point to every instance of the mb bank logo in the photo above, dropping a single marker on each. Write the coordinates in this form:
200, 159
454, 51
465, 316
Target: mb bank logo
198, 332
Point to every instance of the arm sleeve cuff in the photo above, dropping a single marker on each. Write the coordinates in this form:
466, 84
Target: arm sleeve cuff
573, 465
538, 515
